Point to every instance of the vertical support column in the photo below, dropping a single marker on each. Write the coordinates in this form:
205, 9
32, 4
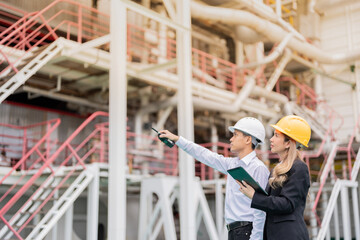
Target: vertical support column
355, 201
93, 205
356, 97
278, 8
208, 219
185, 120
313, 224
336, 222
54, 231
68, 223
117, 122
214, 148
345, 213
239, 48
325, 202
219, 207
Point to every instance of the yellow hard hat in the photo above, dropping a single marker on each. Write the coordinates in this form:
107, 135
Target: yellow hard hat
294, 127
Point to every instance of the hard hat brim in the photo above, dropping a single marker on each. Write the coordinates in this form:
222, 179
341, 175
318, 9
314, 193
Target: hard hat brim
285, 133
232, 129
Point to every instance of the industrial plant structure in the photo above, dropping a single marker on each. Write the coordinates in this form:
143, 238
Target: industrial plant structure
82, 83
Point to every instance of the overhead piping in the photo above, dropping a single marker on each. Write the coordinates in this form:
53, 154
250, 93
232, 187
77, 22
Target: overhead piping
270, 30
267, 12
66, 98
241, 102
271, 57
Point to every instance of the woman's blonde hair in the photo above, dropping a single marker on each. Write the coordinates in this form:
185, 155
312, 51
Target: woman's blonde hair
279, 176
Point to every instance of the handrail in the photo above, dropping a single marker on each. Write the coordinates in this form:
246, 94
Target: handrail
24, 32
47, 162
307, 155
352, 172
349, 150
323, 177
339, 184
6, 6
310, 93
56, 123
26, 139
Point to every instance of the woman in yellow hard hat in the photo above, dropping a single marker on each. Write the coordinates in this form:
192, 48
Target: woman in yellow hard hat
288, 185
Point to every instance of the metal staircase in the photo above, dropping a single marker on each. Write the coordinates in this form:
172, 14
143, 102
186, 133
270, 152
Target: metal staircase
342, 187
48, 191
62, 204
49, 196
30, 65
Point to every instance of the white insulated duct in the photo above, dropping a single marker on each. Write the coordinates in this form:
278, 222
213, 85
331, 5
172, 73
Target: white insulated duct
266, 12
247, 35
241, 102
270, 30
271, 57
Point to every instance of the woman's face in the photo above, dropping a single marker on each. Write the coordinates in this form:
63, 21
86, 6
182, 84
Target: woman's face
278, 144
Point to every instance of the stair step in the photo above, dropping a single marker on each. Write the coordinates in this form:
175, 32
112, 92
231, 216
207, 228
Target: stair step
41, 200
26, 60
40, 49
41, 211
29, 226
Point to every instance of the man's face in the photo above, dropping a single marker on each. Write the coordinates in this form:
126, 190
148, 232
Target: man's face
239, 142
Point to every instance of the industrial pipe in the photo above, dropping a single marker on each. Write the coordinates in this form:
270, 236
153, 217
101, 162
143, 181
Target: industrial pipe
270, 30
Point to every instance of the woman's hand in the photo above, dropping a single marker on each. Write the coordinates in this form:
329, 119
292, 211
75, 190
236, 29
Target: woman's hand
169, 135
246, 189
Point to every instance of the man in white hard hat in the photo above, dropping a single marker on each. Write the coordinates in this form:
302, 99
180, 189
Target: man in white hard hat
242, 221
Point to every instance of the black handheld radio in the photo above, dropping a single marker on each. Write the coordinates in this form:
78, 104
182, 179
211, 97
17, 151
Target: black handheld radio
167, 141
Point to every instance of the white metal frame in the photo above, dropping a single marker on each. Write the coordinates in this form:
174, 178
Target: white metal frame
160, 216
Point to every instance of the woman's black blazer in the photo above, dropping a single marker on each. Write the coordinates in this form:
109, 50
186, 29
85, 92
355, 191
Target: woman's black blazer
285, 205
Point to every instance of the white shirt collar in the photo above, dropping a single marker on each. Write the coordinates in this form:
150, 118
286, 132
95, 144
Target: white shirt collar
247, 159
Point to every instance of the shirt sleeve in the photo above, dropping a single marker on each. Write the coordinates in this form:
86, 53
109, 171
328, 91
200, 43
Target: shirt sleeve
203, 155
292, 193
261, 174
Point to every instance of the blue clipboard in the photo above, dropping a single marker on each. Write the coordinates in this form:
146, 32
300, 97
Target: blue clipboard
241, 174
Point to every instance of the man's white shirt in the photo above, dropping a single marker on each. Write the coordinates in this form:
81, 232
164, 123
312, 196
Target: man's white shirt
237, 205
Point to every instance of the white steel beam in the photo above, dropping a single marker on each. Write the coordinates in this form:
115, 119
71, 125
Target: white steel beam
155, 16
219, 207
93, 206
170, 8
345, 213
185, 121
91, 44
68, 222
117, 122
355, 201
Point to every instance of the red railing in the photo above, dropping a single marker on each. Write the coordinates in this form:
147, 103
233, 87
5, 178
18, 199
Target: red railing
205, 172
346, 171
307, 97
350, 151
148, 155
9, 16
144, 45
78, 22
65, 155
149, 46
17, 141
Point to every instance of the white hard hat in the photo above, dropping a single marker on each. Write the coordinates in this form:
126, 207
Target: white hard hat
251, 126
